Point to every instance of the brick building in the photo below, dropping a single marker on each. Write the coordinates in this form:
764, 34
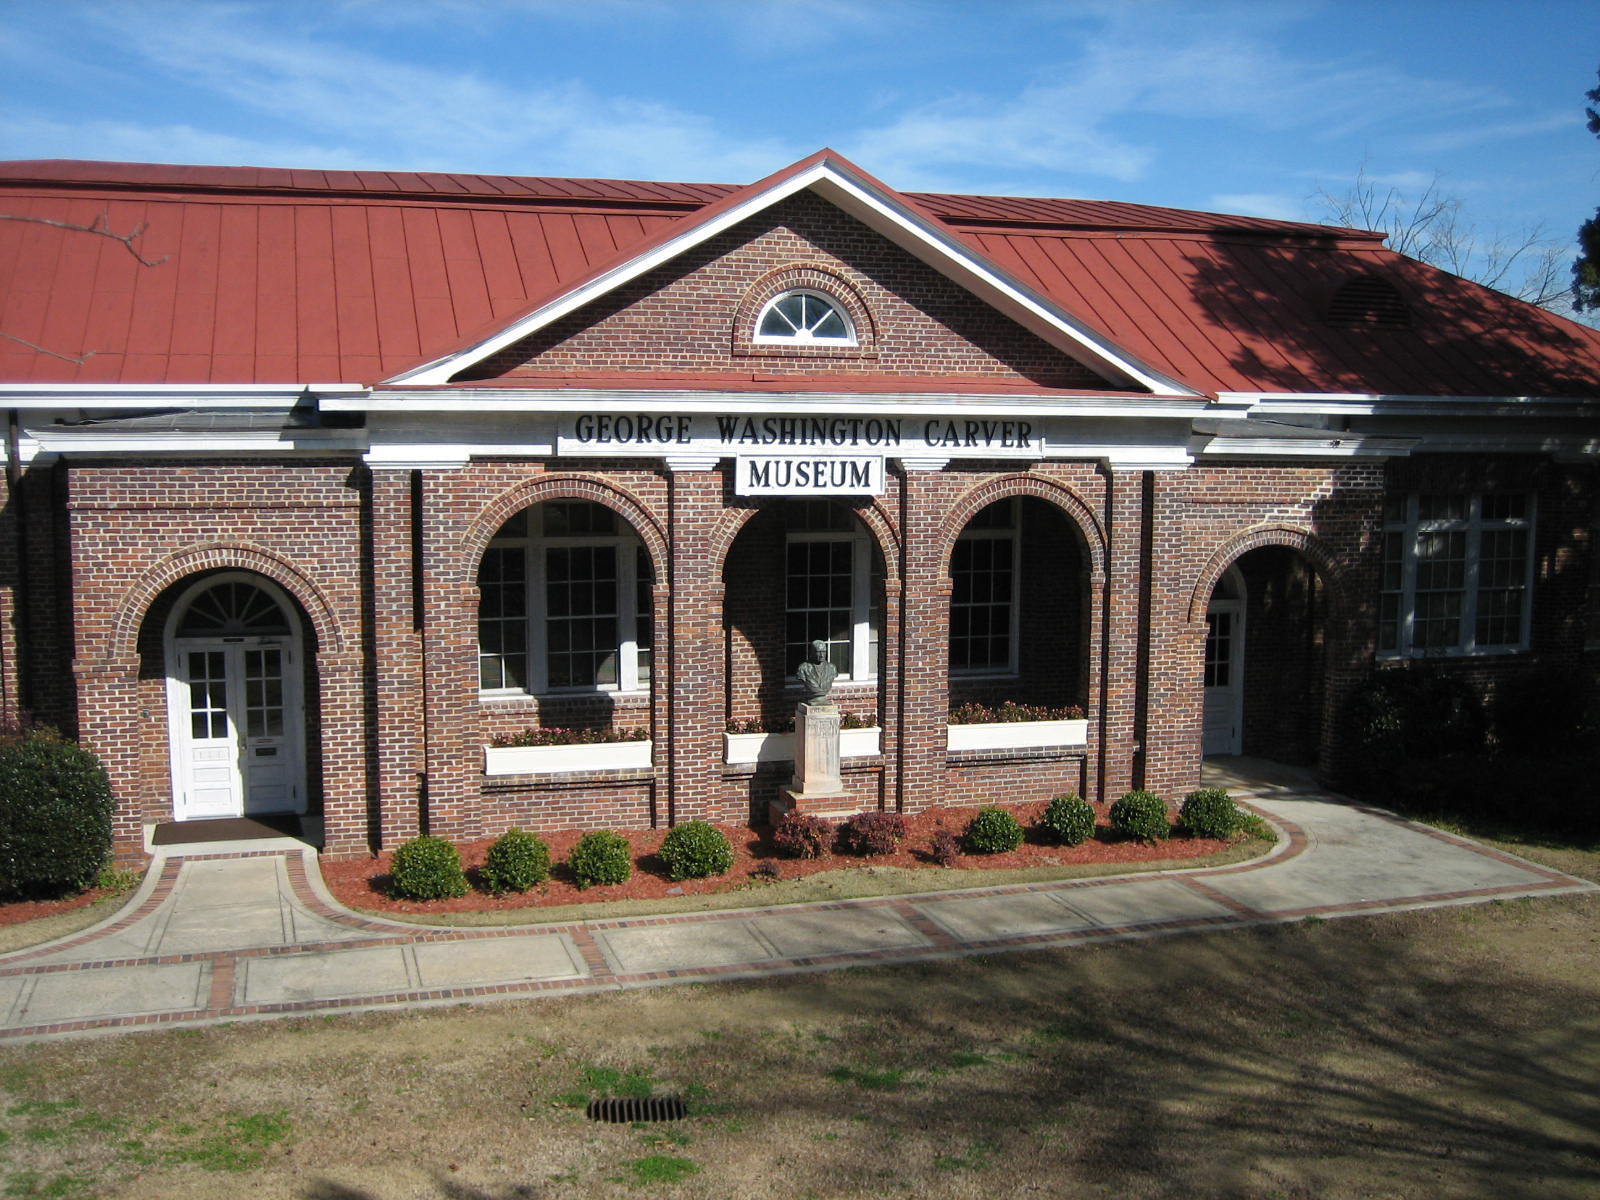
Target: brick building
322, 482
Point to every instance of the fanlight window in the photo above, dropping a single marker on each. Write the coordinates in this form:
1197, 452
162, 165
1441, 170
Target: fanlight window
804, 317
233, 608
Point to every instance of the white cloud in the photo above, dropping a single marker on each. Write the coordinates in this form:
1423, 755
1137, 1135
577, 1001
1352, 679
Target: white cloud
421, 117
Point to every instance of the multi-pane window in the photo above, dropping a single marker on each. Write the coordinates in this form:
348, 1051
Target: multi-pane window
983, 604
1457, 571
564, 603
1219, 649
830, 594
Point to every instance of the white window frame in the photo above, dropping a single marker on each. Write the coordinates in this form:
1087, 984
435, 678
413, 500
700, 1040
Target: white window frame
804, 337
1014, 536
1409, 527
863, 662
534, 547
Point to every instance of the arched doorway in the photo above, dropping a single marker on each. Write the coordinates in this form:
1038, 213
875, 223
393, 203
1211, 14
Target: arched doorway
1224, 670
236, 715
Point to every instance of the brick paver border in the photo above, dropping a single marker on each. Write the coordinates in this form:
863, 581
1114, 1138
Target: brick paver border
602, 976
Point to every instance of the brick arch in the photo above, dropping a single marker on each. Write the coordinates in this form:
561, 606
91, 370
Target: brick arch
1308, 544
879, 523
567, 487
175, 568
814, 277
1055, 494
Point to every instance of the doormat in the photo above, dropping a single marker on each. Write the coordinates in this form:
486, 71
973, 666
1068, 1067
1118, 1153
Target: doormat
226, 829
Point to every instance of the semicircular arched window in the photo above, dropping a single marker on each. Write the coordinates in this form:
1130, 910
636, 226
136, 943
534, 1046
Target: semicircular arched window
804, 316
233, 608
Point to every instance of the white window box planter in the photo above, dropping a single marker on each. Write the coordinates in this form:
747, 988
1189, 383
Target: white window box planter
1017, 735
779, 747
539, 760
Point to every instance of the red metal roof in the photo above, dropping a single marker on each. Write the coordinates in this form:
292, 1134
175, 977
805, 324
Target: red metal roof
278, 276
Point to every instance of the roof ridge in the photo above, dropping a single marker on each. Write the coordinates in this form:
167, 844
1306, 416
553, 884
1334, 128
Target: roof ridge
964, 210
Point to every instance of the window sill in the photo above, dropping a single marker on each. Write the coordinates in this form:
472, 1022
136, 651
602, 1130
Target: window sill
542, 760
509, 695
1398, 656
1017, 735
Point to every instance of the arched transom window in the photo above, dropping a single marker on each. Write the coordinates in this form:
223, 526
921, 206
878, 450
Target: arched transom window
804, 316
233, 608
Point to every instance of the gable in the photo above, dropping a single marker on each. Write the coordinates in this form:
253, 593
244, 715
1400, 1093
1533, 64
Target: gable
693, 314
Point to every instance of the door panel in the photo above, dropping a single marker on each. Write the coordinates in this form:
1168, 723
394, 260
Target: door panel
236, 736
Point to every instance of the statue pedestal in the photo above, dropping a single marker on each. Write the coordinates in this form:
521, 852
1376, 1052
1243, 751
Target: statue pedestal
816, 787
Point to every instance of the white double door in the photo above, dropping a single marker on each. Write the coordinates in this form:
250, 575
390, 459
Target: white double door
236, 716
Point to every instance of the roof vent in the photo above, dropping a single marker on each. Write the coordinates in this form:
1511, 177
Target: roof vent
1366, 301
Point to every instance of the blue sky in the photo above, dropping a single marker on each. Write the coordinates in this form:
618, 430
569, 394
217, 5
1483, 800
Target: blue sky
1245, 107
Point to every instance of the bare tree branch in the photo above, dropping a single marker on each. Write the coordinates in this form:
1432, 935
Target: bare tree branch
102, 227
78, 360
1432, 227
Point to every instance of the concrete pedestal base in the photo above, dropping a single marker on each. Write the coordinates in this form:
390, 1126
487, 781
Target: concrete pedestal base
832, 805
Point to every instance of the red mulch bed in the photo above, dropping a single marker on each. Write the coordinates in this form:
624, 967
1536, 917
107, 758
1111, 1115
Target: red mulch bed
362, 883
16, 912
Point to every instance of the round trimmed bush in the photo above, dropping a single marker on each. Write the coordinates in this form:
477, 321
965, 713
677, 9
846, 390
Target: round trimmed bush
1068, 820
55, 815
1210, 813
993, 831
802, 835
517, 861
871, 833
427, 868
695, 850
602, 857
1141, 815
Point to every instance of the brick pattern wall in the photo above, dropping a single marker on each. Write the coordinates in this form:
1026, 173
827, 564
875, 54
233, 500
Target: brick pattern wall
919, 323
1120, 567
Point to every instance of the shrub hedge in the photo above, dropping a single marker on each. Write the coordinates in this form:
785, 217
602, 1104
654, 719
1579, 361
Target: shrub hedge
695, 850
801, 835
993, 831
427, 868
1210, 813
55, 814
1068, 820
871, 833
1141, 815
517, 861
601, 857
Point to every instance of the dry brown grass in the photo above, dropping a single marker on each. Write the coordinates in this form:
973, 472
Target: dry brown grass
1453, 1052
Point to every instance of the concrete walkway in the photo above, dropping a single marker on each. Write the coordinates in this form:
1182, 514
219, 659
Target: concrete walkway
227, 938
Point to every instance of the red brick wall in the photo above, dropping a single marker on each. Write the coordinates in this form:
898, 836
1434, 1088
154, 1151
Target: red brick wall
383, 571
920, 322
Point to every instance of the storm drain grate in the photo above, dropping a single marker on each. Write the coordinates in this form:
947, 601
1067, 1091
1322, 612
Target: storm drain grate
620, 1110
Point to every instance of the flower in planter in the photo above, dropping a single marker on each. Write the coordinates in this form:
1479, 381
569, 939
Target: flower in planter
552, 736
1010, 712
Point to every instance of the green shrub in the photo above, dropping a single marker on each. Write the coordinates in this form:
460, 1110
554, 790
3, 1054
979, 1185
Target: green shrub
871, 833
695, 850
517, 861
55, 814
1068, 820
1141, 815
602, 857
802, 835
1210, 813
992, 831
427, 868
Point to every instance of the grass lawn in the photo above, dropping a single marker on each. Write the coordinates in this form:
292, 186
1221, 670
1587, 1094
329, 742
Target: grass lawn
1452, 1052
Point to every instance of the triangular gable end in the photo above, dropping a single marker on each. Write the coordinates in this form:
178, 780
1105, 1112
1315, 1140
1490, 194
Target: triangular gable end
859, 195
